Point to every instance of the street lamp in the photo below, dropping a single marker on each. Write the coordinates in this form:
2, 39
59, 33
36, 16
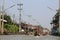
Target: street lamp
3, 16
4, 11
3, 20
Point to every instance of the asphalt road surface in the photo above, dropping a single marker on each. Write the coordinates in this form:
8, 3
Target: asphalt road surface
27, 37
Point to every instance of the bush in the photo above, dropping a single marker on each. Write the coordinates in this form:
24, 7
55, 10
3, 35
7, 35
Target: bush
11, 28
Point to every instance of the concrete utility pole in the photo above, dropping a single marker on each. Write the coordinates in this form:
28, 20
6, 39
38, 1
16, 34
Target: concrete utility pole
59, 16
0, 23
3, 10
20, 9
2, 30
29, 18
13, 19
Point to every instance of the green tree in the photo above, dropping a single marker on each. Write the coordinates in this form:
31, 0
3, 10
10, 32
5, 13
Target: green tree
8, 18
12, 28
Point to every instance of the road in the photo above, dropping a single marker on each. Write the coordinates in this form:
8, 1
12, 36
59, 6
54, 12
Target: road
26, 37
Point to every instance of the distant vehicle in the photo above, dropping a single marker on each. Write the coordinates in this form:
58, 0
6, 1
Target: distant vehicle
45, 32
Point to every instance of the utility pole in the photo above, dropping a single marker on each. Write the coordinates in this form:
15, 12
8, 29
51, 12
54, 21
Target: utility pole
29, 18
13, 19
20, 9
2, 30
0, 23
59, 16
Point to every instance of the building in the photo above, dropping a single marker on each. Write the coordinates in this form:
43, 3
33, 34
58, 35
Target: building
32, 29
55, 24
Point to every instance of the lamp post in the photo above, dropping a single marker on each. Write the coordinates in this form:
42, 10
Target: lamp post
2, 25
2, 17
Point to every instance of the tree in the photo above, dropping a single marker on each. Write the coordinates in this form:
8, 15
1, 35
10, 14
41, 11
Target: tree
12, 28
8, 18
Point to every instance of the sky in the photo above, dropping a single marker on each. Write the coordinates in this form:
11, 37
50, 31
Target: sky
38, 9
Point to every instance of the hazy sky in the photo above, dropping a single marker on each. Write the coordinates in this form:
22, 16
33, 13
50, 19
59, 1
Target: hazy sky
37, 8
